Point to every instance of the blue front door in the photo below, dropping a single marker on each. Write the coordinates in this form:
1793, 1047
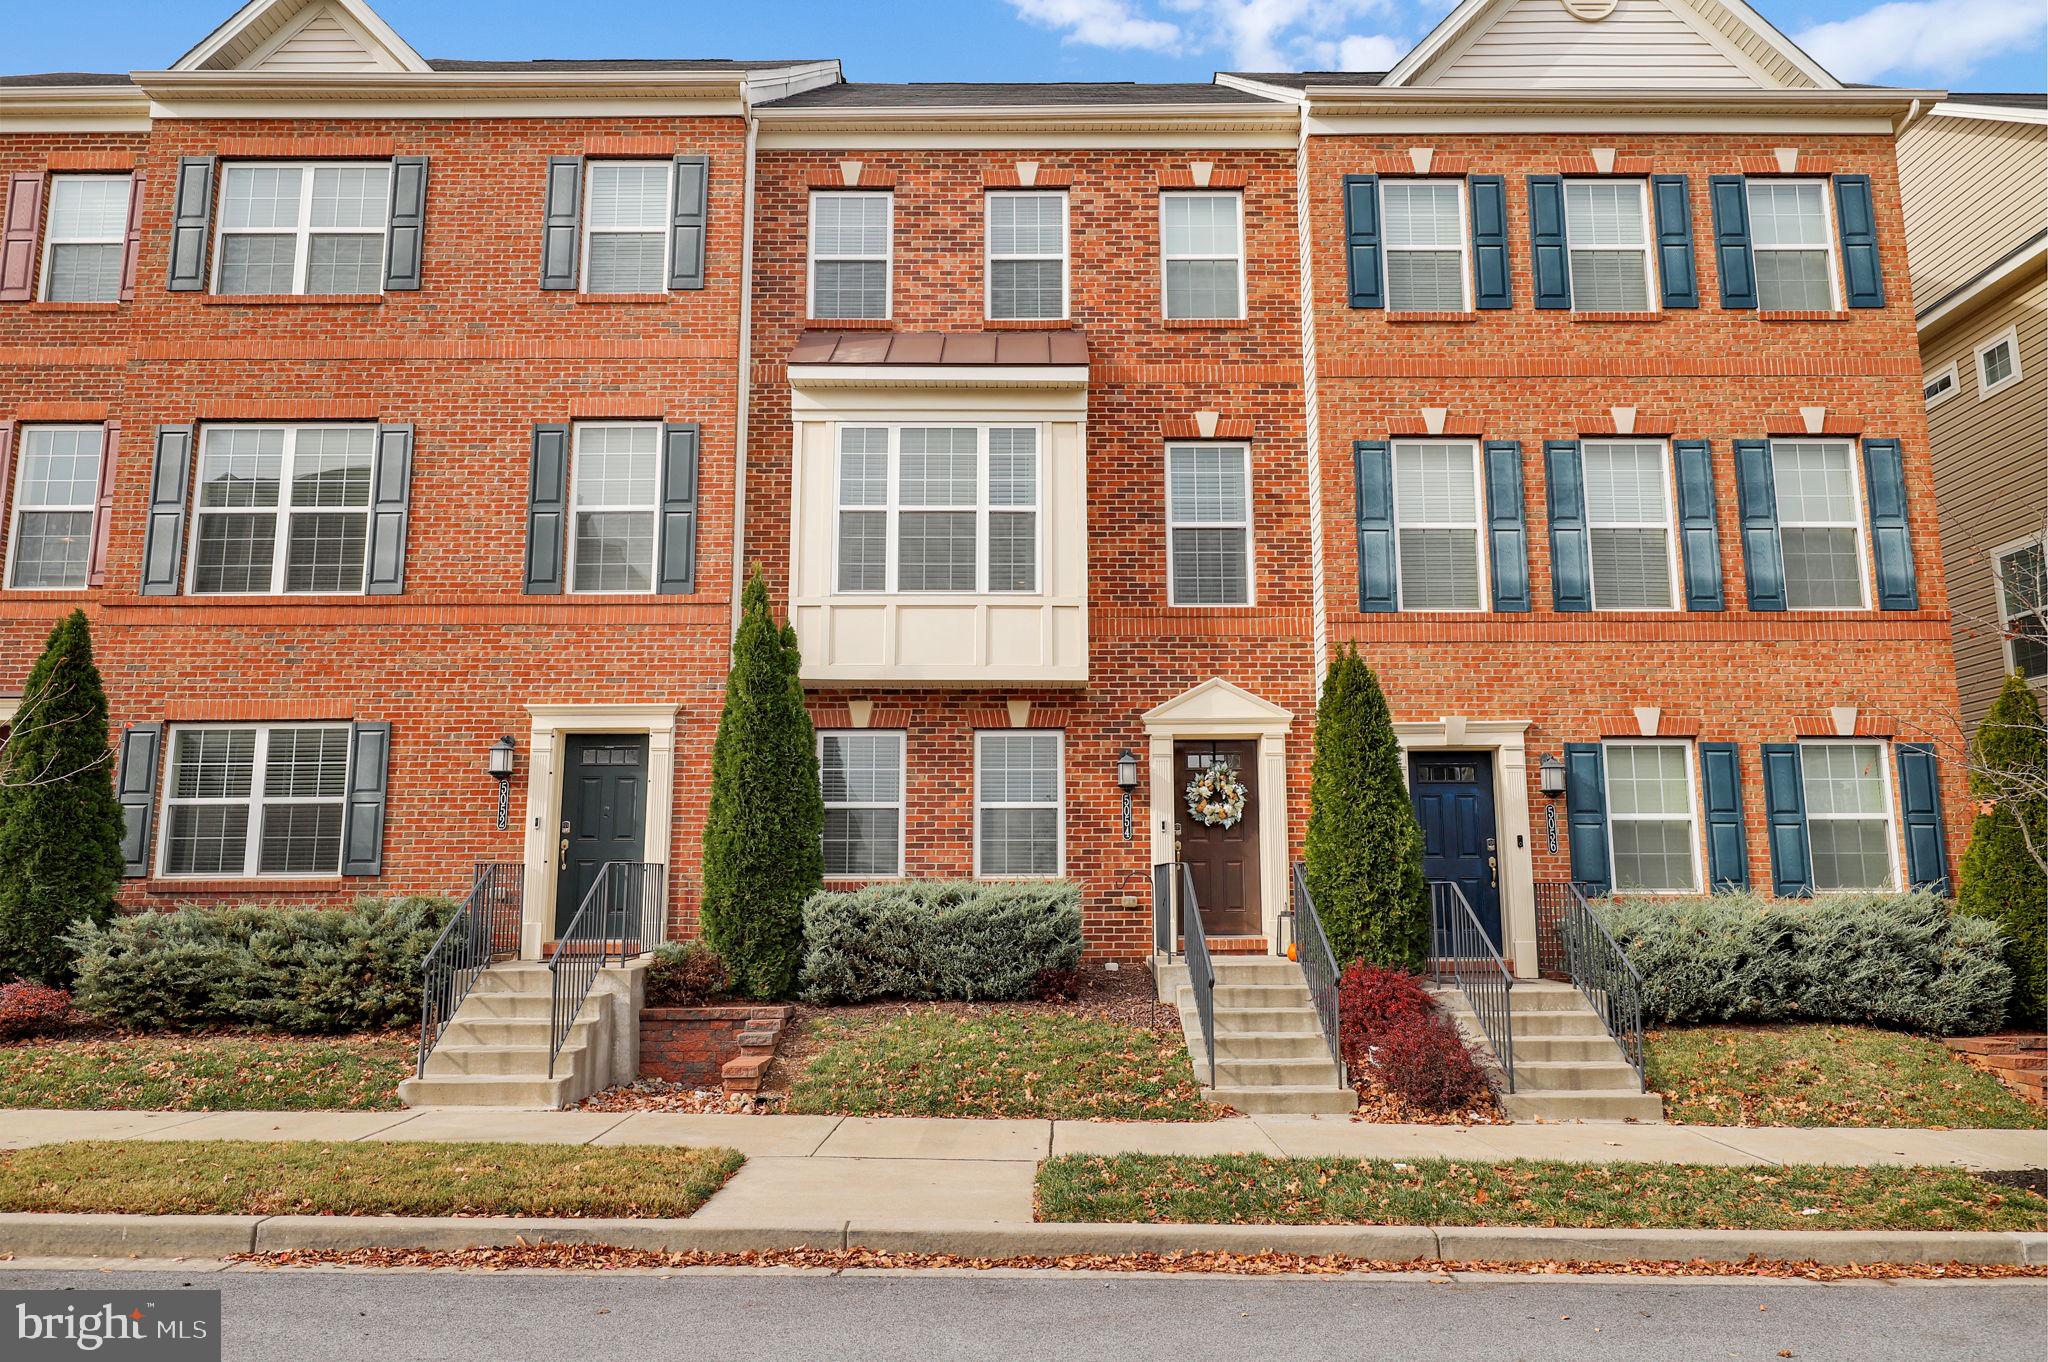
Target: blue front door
1453, 794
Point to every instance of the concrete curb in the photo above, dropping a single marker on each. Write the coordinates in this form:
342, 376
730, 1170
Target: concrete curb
24, 1235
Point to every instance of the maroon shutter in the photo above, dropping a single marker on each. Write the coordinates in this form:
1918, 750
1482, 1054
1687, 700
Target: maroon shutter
6, 470
103, 508
18, 236
134, 251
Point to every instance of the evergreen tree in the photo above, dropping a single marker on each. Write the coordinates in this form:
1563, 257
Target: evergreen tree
60, 825
764, 832
1364, 851
2000, 879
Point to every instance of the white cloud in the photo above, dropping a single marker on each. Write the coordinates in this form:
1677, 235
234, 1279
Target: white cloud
1101, 23
1254, 35
1942, 39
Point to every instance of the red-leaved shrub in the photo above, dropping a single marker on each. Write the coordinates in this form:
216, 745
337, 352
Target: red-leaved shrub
28, 1009
1370, 997
1390, 1027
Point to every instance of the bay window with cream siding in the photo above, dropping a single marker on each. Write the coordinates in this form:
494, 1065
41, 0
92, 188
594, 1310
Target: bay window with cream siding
1209, 527
1607, 226
1019, 804
56, 493
1820, 524
310, 228
1438, 522
1424, 236
255, 801
1202, 254
1849, 816
1792, 242
850, 254
628, 209
1027, 255
1653, 826
282, 510
86, 239
1630, 536
938, 509
862, 774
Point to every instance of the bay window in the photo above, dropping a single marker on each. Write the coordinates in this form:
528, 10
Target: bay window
938, 509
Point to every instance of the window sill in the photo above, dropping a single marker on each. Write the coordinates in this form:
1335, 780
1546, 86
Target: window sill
1407, 318
1028, 324
42, 305
1802, 316
850, 323
623, 297
286, 299
1206, 323
175, 886
1617, 317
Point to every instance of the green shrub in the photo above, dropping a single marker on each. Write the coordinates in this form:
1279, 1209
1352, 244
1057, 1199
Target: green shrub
939, 939
304, 970
1999, 880
1899, 960
688, 975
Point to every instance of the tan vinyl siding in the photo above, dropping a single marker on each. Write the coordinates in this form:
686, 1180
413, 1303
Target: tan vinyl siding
1644, 44
1753, 45
1973, 189
322, 45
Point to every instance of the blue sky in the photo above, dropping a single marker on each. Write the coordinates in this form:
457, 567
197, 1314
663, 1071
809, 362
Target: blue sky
1961, 44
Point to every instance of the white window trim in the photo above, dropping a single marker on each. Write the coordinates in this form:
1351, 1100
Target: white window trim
51, 240
1483, 560
1463, 200
1687, 760
901, 805
302, 234
666, 230
1653, 297
1674, 568
1236, 198
893, 507
1059, 805
1859, 517
1251, 560
2006, 614
284, 511
1886, 779
252, 852
813, 257
2009, 337
1928, 380
989, 256
1829, 244
16, 508
577, 509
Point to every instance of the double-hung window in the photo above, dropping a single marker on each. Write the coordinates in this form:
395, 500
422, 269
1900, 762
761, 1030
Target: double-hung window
56, 490
938, 509
1628, 525
1019, 786
1202, 239
1607, 226
862, 774
1423, 228
282, 509
314, 228
850, 253
1848, 814
628, 209
1208, 524
1027, 255
87, 238
1791, 244
2022, 571
1820, 524
1437, 519
1651, 823
255, 801
615, 477
1998, 363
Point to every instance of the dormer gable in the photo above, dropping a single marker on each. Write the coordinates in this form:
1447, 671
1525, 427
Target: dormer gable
308, 37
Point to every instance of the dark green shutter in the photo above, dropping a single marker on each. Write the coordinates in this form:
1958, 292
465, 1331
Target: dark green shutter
1490, 283
1732, 259
1785, 815
363, 835
390, 503
1507, 530
692, 215
1891, 538
405, 239
1373, 471
163, 535
547, 510
1362, 240
135, 788
1920, 814
1721, 797
1571, 570
1585, 803
1671, 196
1549, 259
1698, 527
1763, 557
677, 574
562, 232
191, 224
1862, 275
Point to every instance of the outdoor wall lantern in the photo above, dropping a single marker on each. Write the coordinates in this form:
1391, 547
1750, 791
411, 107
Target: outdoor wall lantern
1550, 780
1127, 781
499, 763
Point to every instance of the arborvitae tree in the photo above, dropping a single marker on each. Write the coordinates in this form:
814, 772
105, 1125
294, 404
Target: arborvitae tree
1364, 851
60, 825
2000, 878
764, 832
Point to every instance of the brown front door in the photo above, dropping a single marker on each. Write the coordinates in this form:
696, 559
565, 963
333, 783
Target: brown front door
1224, 862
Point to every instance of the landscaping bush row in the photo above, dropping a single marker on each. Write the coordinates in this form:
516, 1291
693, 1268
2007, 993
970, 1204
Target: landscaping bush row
939, 939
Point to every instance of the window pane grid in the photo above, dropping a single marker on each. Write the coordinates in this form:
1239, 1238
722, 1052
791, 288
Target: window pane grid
1208, 507
942, 509
1820, 526
2023, 607
1027, 256
1437, 520
862, 776
850, 249
626, 225
86, 238
1018, 800
316, 229
282, 510
1628, 525
1607, 230
1423, 231
1202, 240
1788, 231
289, 784
57, 491
1650, 817
615, 500
1848, 814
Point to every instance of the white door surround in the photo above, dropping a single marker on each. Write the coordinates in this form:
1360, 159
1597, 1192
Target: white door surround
1505, 738
550, 724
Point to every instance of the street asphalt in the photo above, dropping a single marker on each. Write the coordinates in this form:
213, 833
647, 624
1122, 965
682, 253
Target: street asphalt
308, 1316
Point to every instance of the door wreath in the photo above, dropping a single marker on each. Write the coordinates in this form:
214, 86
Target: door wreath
1216, 797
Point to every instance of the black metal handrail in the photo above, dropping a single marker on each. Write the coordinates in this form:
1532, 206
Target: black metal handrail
624, 913
1173, 888
1459, 945
484, 928
1318, 963
1601, 969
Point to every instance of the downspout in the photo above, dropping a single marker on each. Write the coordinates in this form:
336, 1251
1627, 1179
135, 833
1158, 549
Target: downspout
1311, 422
745, 387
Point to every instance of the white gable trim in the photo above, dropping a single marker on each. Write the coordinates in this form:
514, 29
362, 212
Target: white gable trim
278, 20
264, 57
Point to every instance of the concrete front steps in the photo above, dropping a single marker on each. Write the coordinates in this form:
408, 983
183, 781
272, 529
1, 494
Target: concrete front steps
495, 1051
1567, 1068
1271, 1058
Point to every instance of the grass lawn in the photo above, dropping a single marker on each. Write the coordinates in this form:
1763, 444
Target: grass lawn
1815, 1075
209, 1073
988, 1062
1252, 1190
251, 1177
